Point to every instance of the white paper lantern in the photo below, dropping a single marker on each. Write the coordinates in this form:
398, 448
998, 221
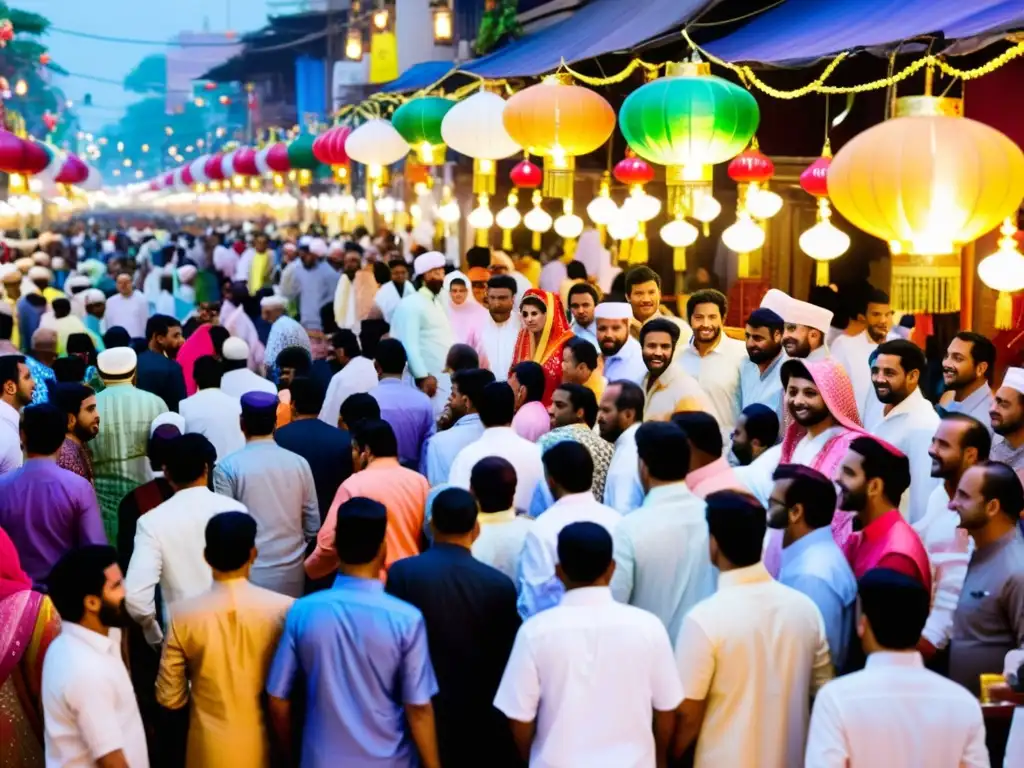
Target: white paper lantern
537, 220
763, 203
642, 206
227, 165
449, 212
825, 242
508, 217
474, 128
623, 226
706, 208
93, 182
480, 218
679, 233
376, 142
601, 210
198, 169
569, 226
743, 235
261, 161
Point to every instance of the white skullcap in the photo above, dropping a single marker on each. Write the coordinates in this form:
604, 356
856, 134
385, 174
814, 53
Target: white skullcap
39, 273
9, 271
318, 247
1014, 379
613, 310
187, 272
169, 418
108, 246
247, 227
58, 264
24, 263
182, 242
41, 258
94, 296
77, 282
336, 246
48, 237
777, 301
235, 349
289, 247
274, 301
805, 313
304, 241
428, 261
117, 363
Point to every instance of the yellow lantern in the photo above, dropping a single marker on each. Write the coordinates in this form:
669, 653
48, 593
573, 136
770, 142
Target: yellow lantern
1003, 271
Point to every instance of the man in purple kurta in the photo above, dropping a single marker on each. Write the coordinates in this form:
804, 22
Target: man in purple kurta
404, 407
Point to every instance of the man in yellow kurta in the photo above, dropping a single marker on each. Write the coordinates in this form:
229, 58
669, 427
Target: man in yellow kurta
221, 643
10, 278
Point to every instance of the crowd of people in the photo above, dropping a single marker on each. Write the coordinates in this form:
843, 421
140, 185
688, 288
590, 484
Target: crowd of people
268, 498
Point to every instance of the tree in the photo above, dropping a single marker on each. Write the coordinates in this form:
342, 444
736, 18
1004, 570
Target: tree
149, 75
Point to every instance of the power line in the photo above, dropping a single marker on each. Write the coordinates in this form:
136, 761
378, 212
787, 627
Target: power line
134, 41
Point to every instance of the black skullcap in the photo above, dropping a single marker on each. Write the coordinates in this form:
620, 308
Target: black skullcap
230, 537
896, 605
584, 551
362, 523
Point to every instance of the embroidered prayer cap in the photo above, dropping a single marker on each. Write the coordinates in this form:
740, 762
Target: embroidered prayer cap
39, 273
235, 349
117, 364
318, 247
428, 261
613, 310
274, 301
94, 296
1014, 379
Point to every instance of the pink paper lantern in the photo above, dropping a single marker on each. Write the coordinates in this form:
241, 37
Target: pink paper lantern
245, 162
277, 158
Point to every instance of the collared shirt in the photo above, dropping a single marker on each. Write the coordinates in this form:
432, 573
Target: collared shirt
215, 414
506, 444
567, 668
716, 476
600, 450
89, 705
977, 404
989, 619
674, 390
442, 448
895, 712
327, 449
1003, 452
240, 381
410, 414
889, 542
11, 456
909, 426
531, 421
277, 487
948, 547
626, 364
499, 343
357, 377
588, 332
539, 587
622, 489
470, 612
362, 655
169, 544
661, 555
402, 491
47, 511
40, 374
500, 543
764, 388
75, 457
718, 374
162, 376
129, 313
815, 566
853, 352
421, 323
717, 655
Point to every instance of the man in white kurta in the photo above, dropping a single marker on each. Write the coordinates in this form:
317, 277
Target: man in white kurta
127, 309
854, 352
389, 294
806, 325
500, 331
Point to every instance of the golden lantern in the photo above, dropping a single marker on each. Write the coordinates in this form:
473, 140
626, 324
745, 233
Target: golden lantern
927, 182
1003, 271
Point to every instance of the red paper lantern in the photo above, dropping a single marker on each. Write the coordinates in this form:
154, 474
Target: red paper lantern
50, 121
751, 166
277, 158
6, 31
168, 180
210, 86
186, 176
633, 170
526, 175
12, 153
213, 169
244, 162
36, 158
329, 147
814, 179
74, 171
154, 185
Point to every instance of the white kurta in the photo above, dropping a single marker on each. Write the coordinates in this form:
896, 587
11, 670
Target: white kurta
357, 377
502, 442
757, 476
718, 373
130, 314
421, 323
387, 299
499, 343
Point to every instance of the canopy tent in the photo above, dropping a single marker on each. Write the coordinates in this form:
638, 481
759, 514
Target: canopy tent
597, 28
418, 76
804, 30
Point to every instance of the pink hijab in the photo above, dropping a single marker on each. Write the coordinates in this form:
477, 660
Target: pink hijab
836, 390
467, 318
199, 344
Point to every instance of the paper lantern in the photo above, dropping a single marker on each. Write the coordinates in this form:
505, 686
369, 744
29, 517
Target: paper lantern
927, 182
814, 179
214, 168
186, 176
376, 143
73, 171
198, 169
329, 147
743, 236
245, 162
526, 175
1003, 271
227, 165
633, 170
623, 226
559, 122
537, 220
37, 157
418, 122
93, 181
12, 153
277, 158
823, 242
507, 219
474, 128
300, 153
749, 166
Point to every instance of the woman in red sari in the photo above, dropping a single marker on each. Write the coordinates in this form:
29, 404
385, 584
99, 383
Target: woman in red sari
545, 330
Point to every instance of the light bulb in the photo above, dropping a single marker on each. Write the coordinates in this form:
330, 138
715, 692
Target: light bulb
480, 218
601, 209
763, 203
1004, 270
361, 205
706, 208
508, 217
641, 206
679, 233
449, 212
420, 188
824, 242
623, 226
386, 205
743, 235
568, 226
537, 220
346, 202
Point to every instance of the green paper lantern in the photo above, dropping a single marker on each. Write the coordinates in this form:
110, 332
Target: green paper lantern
300, 153
418, 121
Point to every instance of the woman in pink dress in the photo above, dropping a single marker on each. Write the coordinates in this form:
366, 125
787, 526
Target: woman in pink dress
466, 315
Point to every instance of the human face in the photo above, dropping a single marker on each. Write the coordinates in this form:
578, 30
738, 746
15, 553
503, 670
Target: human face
947, 452
399, 275
891, 383
612, 335
124, 284
97, 309
741, 446
706, 322
108, 606
285, 378
458, 403
87, 423
260, 243
797, 340
499, 303
610, 420
763, 345
271, 314
352, 262
853, 483
1007, 412
805, 403
209, 312
308, 258
458, 293
480, 293
533, 318
172, 342
958, 368
878, 320
581, 305
657, 352
571, 372
969, 503
22, 391
561, 411
778, 512
644, 298
434, 280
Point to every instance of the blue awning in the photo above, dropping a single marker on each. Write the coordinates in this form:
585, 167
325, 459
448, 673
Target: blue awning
597, 28
418, 76
805, 30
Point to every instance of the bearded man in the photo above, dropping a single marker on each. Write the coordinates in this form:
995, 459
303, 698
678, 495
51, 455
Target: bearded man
1007, 416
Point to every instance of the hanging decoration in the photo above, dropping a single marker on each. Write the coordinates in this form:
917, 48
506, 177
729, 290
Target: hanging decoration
526, 175
634, 172
474, 128
1003, 271
750, 170
377, 144
507, 219
602, 207
537, 220
418, 121
6, 32
823, 242
244, 162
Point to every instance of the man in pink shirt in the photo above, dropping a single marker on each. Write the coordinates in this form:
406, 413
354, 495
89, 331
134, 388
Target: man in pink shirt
709, 468
532, 418
872, 477
380, 477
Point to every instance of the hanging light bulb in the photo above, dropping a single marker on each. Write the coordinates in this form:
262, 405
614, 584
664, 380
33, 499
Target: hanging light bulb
449, 212
1003, 271
705, 209
622, 226
481, 219
743, 235
569, 226
679, 233
762, 203
824, 242
537, 220
602, 208
640, 205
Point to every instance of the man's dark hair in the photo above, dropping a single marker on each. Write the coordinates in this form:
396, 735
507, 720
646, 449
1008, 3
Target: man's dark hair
116, 337
794, 369
69, 396
462, 357
662, 325
581, 398
230, 537
493, 481
982, 350
390, 356
358, 407
159, 445
910, 355
375, 435
9, 368
893, 469
79, 573
503, 281
346, 341
398, 262
530, 375
738, 523
207, 372
453, 512
707, 296
766, 318
362, 524
45, 427
570, 465
876, 296
702, 430
61, 308
586, 288
69, 370
584, 551
81, 344
810, 488
472, 382
895, 605
762, 424
188, 457
1002, 484
631, 397
583, 352
639, 276
976, 434
6, 326
663, 448
307, 396
160, 325
576, 270
497, 405
295, 358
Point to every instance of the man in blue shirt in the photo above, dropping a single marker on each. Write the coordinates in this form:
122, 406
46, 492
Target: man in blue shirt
363, 658
158, 371
442, 448
802, 504
403, 406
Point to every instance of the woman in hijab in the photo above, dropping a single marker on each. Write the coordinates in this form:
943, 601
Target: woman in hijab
543, 335
199, 344
466, 315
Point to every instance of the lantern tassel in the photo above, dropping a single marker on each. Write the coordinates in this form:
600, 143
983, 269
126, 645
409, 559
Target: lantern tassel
1004, 311
569, 244
679, 259
506, 240
482, 237
821, 273
743, 266
535, 242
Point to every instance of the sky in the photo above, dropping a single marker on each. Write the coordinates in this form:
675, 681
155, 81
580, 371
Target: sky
150, 20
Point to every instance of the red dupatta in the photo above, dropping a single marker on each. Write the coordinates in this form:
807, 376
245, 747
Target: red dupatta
199, 344
548, 352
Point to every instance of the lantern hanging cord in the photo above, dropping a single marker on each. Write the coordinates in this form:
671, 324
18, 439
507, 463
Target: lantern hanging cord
618, 77
747, 74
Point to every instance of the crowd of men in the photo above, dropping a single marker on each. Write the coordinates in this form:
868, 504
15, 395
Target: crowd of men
272, 499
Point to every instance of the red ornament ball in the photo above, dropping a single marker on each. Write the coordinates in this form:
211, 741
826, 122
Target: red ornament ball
526, 175
814, 179
633, 170
751, 166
